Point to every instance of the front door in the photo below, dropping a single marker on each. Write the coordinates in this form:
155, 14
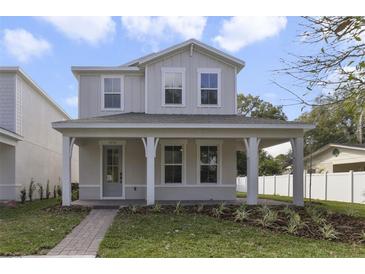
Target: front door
112, 172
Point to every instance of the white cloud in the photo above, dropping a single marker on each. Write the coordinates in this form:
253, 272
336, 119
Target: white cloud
23, 45
156, 29
238, 32
72, 101
278, 149
89, 29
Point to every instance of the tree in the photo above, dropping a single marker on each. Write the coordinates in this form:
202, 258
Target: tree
336, 123
253, 106
336, 68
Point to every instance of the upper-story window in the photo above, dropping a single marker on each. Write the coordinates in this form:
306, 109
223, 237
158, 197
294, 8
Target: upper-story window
112, 93
173, 87
209, 87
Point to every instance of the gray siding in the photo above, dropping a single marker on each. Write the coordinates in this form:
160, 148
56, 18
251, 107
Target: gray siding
90, 95
7, 101
7, 172
191, 65
135, 173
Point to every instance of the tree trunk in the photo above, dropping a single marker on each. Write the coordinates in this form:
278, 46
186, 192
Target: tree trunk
360, 126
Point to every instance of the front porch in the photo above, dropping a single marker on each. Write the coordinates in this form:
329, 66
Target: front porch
204, 145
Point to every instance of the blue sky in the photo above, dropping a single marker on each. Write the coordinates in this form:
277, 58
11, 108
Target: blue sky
46, 48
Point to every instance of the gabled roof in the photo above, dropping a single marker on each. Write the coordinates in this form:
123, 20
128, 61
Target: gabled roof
360, 147
142, 120
35, 86
191, 42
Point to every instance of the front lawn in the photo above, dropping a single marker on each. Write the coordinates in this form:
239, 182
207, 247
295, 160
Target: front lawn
35, 227
196, 235
340, 207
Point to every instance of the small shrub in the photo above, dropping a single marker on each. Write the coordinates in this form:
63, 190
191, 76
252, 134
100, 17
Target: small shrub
157, 207
316, 215
40, 191
241, 215
222, 207
23, 195
352, 212
288, 211
268, 218
179, 208
31, 189
200, 208
294, 223
59, 191
362, 237
216, 212
328, 232
133, 209
264, 209
48, 193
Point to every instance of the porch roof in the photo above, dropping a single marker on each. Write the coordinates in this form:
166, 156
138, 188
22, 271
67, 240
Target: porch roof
143, 120
8, 137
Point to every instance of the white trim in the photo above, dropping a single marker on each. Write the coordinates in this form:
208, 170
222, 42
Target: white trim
98, 186
10, 185
210, 70
78, 95
101, 148
218, 144
163, 93
122, 92
146, 89
173, 143
235, 91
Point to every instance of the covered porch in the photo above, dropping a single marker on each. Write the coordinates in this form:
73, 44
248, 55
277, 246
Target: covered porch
148, 138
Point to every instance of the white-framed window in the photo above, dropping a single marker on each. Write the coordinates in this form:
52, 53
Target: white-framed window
209, 94
173, 87
173, 162
112, 92
209, 162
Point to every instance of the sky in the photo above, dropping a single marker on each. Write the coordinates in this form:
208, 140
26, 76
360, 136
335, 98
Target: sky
47, 47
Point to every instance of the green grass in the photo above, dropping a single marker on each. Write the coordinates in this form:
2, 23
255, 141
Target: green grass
190, 235
29, 229
340, 207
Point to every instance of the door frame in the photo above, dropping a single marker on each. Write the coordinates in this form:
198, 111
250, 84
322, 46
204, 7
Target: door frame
121, 144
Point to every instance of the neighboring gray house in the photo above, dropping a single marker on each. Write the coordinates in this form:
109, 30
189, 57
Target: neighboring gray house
29, 146
165, 127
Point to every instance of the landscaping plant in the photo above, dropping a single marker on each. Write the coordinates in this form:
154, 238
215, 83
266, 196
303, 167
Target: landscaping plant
200, 208
294, 223
133, 209
328, 232
268, 218
40, 191
48, 193
23, 195
54, 192
31, 189
179, 208
59, 191
157, 207
241, 215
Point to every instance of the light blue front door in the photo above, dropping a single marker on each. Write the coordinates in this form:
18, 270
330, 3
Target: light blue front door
112, 172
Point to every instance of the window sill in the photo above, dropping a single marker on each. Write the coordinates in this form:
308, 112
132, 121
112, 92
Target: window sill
173, 106
112, 110
209, 106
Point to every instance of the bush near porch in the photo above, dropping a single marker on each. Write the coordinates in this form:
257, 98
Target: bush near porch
35, 227
222, 231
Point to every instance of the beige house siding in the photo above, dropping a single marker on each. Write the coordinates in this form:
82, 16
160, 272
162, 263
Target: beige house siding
348, 159
135, 172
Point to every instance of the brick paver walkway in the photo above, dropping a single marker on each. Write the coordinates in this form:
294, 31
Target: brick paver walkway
84, 239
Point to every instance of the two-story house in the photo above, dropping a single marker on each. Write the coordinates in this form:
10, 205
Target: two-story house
29, 147
165, 127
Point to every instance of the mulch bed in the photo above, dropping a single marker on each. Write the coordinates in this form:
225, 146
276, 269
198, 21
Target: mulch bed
347, 229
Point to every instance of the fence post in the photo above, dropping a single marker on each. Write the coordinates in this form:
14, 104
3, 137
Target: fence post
352, 185
263, 184
305, 184
289, 184
274, 184
325, 185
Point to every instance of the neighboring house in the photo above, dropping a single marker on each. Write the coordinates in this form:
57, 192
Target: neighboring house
29, 146
165, 127
337, 158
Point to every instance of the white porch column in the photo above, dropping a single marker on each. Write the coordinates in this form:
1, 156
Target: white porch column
66, 169
150, 145
252, 145
298, 164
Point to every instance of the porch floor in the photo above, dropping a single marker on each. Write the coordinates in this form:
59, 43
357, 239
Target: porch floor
125, 203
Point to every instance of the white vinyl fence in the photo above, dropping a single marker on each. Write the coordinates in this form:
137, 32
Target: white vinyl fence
342, 186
